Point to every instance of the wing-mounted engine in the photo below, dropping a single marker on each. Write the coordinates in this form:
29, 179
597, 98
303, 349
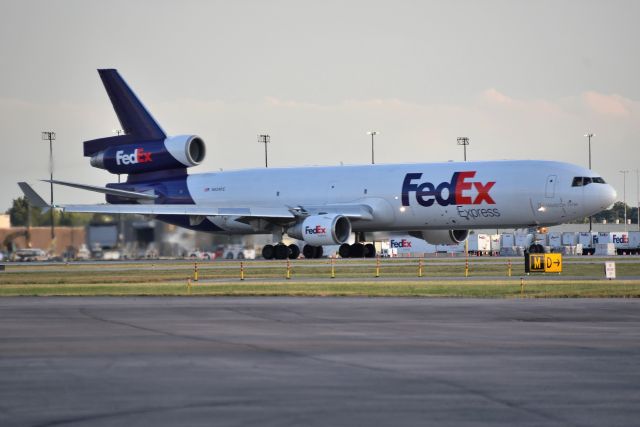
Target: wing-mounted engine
175, 152
441, 237
318, 230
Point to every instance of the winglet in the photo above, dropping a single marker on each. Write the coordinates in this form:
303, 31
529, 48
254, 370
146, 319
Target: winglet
32, 197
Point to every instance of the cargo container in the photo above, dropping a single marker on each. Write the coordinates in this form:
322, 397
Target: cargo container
634, 241
524, 240
602, 237
620, 239
555, 239
585, 239
508, 240
542, 239
569, 239
103, 236
626, 242
495, 243
405, 245
479, 244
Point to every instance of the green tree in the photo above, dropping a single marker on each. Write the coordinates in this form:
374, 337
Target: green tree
617, 213
19, 209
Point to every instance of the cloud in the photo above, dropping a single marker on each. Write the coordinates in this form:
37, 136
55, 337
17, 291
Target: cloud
493, 96
609, 105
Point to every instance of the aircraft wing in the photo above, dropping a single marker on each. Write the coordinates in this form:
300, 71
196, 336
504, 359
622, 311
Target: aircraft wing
352, 211
150, 209
362, 212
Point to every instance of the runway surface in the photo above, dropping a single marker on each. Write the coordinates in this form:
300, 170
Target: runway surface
319, 362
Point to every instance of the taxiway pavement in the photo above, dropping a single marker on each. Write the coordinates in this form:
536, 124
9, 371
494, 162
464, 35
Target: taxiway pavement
319, 361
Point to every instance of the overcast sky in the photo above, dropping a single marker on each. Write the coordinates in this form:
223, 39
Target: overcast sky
521, 79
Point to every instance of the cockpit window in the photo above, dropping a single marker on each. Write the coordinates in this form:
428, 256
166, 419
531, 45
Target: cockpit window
580, 181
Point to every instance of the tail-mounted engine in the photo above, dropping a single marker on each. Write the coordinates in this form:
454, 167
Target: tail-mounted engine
318, 230
174, 152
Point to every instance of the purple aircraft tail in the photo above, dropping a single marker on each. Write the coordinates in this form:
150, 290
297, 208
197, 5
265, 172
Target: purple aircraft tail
144, 148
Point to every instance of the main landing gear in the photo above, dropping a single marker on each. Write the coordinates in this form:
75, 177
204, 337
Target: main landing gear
357, 250
282, 251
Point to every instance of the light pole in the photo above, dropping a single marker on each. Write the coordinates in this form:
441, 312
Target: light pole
638, 197
464, 141
624, 195
372, 133
118, 132
590, 135
50, 136
265, 139
120, 222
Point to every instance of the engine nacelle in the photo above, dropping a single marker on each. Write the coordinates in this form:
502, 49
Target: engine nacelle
442, 237
174, 152
318, 230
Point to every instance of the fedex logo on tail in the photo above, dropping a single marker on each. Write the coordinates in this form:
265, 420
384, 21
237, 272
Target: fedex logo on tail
404, 243
138, 156
461, 190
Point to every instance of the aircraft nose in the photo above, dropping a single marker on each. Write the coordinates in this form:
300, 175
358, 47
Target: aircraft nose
606, 196
610, 195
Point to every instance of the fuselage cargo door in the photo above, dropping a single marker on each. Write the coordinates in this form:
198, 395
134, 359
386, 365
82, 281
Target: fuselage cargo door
550, 189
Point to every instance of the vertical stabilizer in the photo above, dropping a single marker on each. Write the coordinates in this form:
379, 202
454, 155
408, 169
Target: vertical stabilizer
134, 117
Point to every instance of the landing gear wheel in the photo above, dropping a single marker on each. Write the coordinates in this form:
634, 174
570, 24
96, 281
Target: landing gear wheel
281, 251
356, 250
309, 251
318, 252
294, 251
343, 251
369, 250
268, 252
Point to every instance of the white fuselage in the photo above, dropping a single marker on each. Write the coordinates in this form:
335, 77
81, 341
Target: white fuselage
491, 194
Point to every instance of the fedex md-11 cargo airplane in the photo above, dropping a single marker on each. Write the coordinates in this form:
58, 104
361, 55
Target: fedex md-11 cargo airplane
439, 202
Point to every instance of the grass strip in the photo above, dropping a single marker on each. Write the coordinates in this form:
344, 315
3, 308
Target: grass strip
365, 288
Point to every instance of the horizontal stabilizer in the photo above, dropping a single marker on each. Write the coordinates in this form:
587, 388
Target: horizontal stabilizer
104, 190
33, 198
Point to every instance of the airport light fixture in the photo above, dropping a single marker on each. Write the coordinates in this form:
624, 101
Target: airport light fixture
464, 141
590, 135
265, 139
50, 136
373, 133
624, 195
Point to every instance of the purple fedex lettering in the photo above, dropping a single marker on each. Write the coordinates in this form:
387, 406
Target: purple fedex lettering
455, 192
404, 243
315, 230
